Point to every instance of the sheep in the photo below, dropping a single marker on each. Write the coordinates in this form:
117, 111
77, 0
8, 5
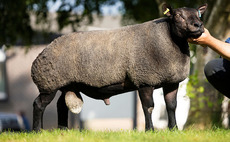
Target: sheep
101, 64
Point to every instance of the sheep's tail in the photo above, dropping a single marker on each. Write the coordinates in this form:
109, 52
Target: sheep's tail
74, 102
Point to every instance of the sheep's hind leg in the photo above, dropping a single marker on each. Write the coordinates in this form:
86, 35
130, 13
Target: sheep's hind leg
170, 96
39, 105
62, 111
146, 96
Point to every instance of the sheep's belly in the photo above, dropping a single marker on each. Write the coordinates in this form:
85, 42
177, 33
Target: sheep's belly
106, 91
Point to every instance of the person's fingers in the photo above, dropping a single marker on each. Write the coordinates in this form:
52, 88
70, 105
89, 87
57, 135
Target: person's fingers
192, 40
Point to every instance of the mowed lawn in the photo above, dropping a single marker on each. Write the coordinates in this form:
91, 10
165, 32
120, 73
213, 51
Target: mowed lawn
212, 135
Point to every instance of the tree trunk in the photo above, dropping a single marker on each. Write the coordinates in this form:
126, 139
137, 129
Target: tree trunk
225, 115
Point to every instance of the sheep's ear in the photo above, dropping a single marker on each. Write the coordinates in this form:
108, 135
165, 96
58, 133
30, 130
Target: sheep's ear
167, 9
202, 8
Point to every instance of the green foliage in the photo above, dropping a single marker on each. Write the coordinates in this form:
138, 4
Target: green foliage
190, 135
192, 90
16, 23
204, 110
74, 12
140, 10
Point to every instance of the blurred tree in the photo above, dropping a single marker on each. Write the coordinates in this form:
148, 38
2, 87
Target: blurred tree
16, 23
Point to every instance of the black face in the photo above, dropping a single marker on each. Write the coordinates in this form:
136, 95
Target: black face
185, 22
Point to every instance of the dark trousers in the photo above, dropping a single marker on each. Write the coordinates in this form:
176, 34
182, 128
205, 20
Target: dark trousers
217, 72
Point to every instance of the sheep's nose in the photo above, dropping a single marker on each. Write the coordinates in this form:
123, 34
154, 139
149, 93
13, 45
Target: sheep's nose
198, 24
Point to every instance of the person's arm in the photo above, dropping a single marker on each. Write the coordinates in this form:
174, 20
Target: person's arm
218, 46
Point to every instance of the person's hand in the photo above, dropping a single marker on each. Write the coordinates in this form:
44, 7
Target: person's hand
202, 40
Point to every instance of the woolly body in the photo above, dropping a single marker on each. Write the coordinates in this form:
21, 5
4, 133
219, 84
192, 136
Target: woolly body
144, 54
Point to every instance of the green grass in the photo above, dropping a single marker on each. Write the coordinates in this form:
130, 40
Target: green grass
212, 135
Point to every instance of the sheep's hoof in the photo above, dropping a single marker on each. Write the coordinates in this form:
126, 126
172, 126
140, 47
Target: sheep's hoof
73, 102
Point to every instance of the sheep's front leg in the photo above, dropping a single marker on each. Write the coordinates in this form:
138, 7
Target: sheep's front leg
170, 96
146, 96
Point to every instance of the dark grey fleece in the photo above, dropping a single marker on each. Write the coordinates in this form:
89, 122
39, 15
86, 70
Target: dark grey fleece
145, 53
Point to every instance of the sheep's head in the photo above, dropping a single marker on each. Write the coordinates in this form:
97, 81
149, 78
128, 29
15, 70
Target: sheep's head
185, 22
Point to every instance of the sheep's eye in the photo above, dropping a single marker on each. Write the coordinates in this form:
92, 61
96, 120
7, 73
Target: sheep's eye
179, 17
